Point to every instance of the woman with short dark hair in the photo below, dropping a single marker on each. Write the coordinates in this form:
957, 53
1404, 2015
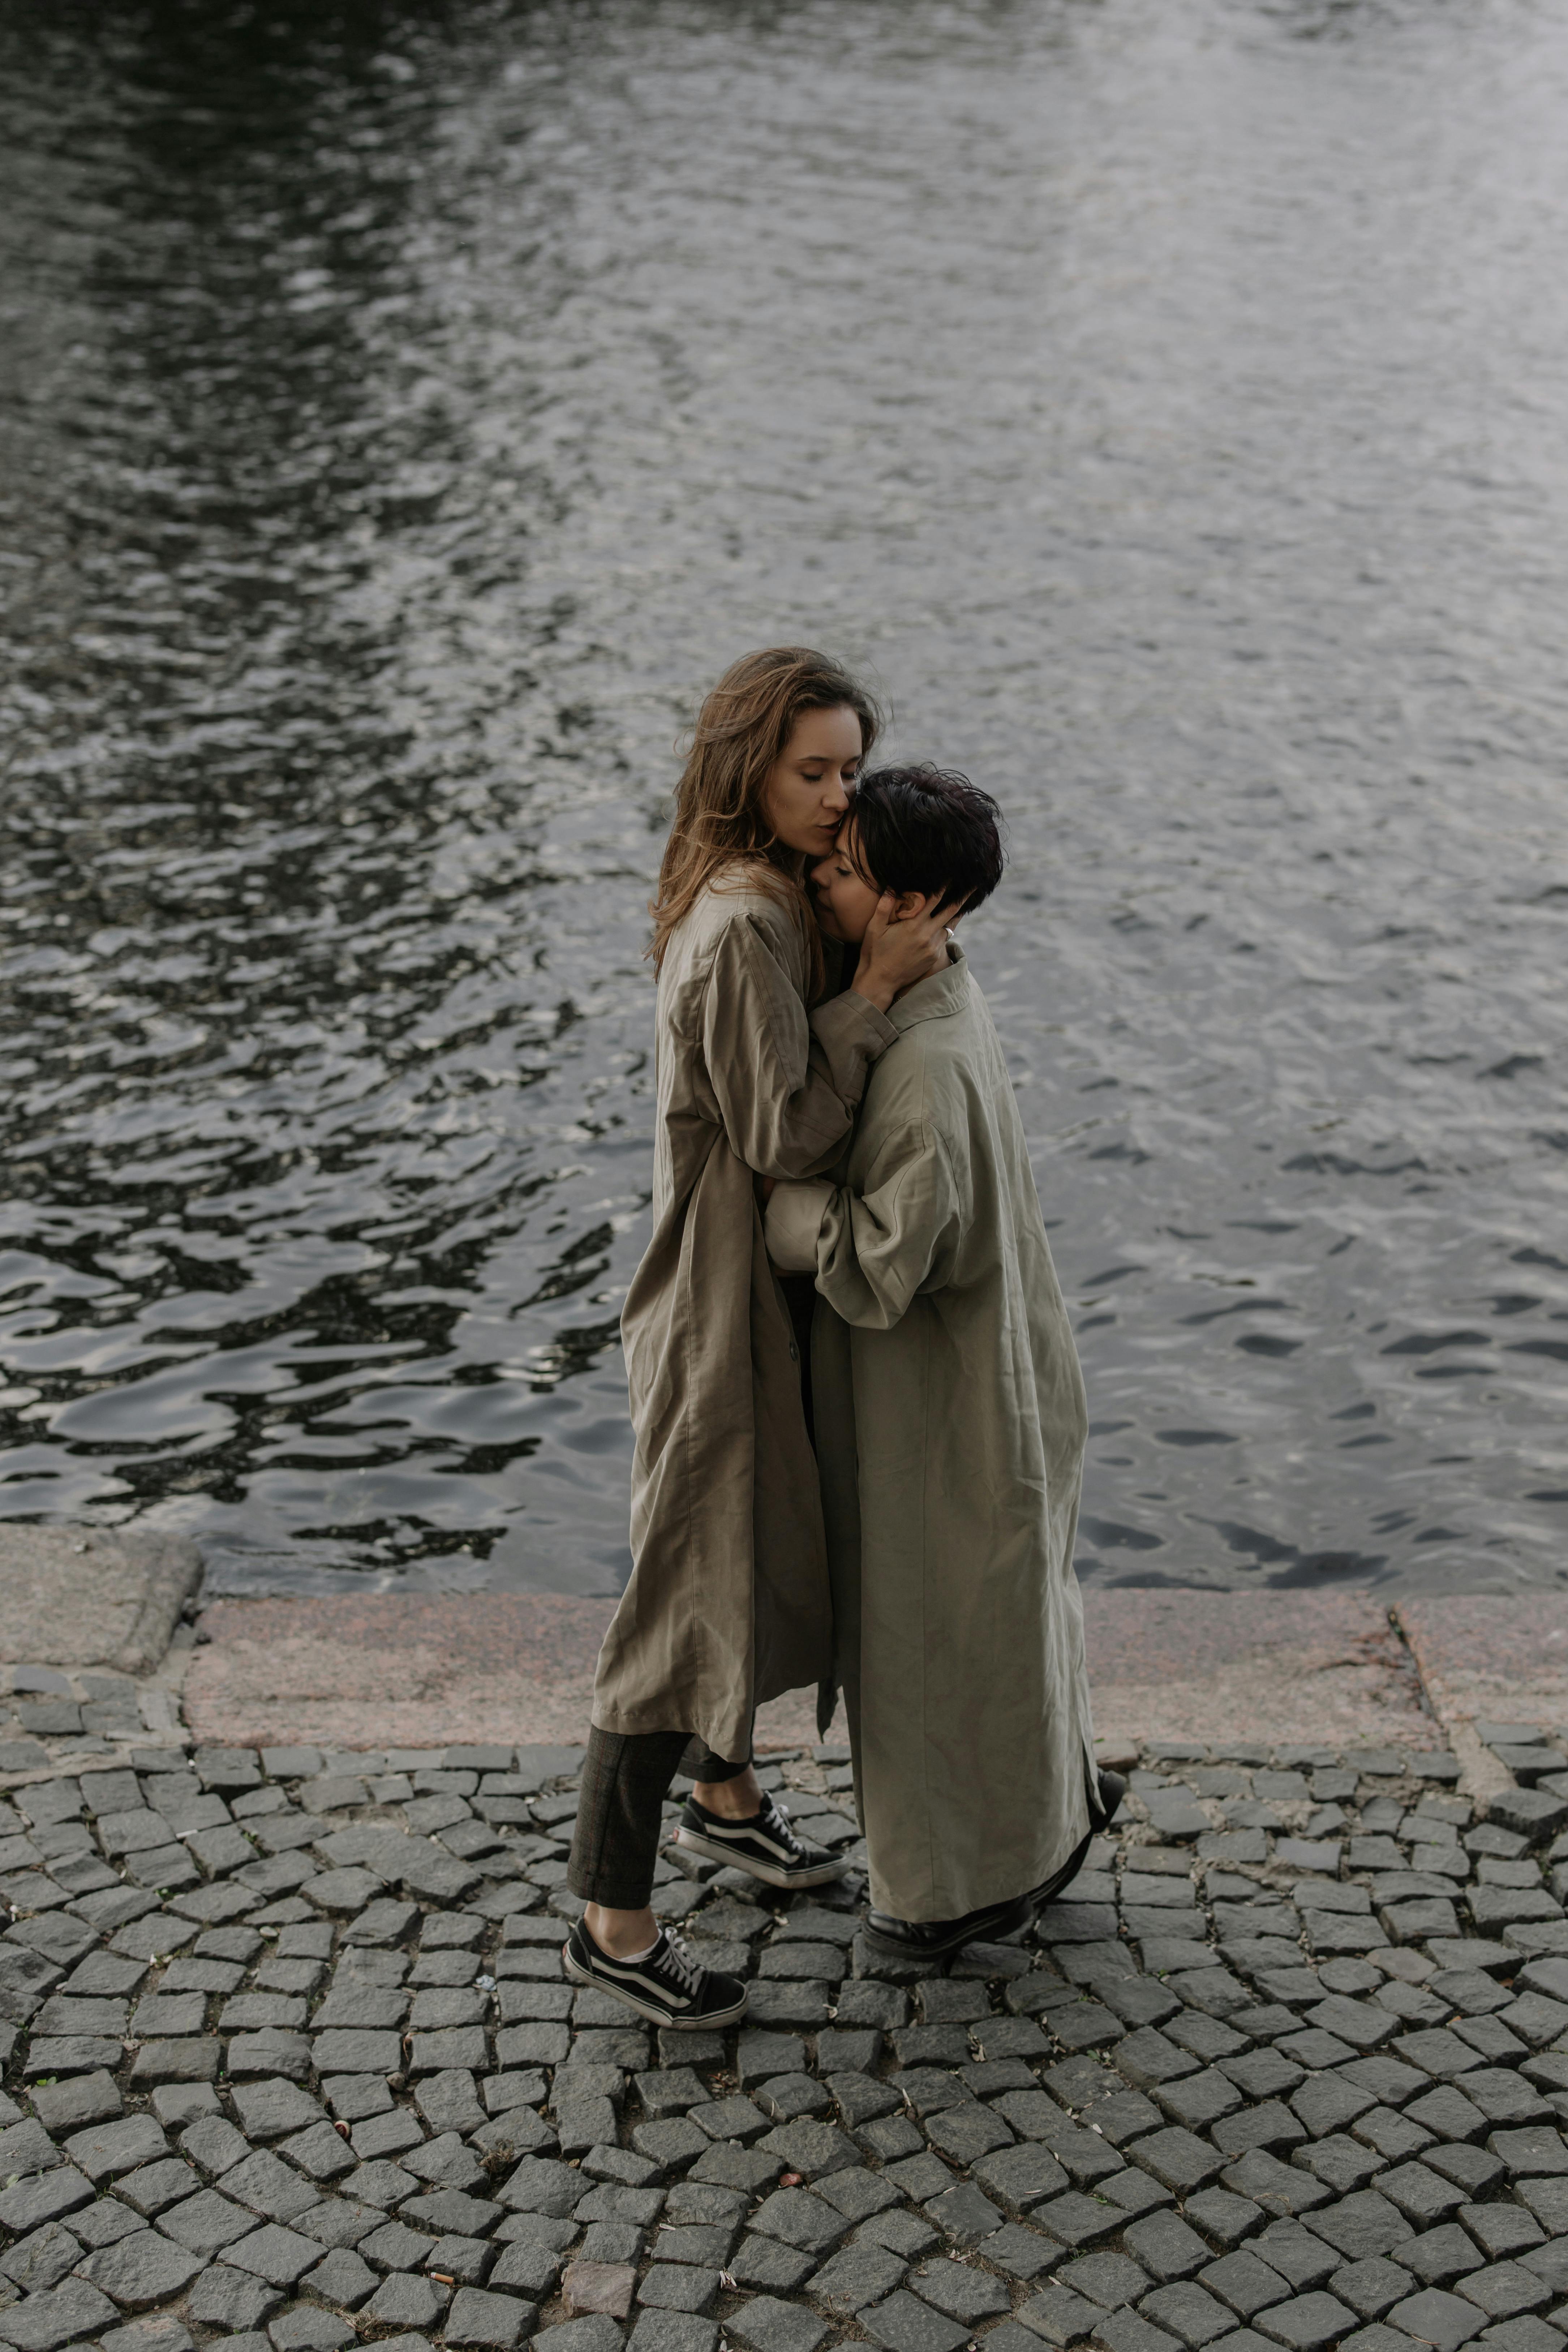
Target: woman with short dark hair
950, 1422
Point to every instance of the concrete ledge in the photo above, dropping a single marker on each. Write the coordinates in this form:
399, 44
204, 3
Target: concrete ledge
1345, 1668
74, 1597
1311, 1667
420, 1670
429, 1670
1487, 1655
414, 1671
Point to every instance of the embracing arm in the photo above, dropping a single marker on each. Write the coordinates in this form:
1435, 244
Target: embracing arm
787, 1086
873, 1250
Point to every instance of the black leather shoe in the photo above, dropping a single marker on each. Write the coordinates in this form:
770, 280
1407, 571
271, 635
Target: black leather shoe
1113, 1788
938, 1939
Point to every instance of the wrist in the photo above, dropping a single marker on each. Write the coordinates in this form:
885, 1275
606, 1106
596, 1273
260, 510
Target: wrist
879, 992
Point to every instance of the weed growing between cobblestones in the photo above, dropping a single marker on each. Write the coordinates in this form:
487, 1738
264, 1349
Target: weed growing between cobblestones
292, 2061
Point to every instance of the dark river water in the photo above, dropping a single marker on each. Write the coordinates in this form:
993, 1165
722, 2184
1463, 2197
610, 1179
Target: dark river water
406, 412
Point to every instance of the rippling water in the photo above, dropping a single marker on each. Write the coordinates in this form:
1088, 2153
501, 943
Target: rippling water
404, 413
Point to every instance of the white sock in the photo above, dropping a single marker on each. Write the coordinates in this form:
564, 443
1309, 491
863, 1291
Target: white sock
625, 1958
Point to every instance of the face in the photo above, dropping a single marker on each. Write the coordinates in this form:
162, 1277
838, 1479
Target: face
808, 790
845, 901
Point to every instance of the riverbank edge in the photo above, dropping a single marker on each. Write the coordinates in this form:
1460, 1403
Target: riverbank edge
1346, 1668
427, 1671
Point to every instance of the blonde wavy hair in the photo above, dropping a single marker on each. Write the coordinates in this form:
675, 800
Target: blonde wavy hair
742, 730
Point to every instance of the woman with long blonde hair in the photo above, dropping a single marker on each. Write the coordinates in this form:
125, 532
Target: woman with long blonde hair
760, 1074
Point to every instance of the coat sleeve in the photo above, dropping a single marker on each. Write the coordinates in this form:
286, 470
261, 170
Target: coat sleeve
878, 1248
787, 1087
792, 1222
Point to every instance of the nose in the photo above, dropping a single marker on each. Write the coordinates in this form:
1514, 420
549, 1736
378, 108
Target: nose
834, 796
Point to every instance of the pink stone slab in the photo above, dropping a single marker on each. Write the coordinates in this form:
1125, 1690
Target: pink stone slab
1300, 1667
432, 1670
393, 1670
598, 2286
1492, 1657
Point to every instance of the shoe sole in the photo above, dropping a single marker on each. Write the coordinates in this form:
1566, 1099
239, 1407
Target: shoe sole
713, 2017
890, 1950
818, 1874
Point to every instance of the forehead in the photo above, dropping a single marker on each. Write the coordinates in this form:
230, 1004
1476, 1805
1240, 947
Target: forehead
827, 735
847, 845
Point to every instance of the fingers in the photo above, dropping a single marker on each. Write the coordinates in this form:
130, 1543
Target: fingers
933, 924
940, 911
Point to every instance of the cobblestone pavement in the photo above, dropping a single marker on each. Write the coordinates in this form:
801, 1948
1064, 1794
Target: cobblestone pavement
292, 2060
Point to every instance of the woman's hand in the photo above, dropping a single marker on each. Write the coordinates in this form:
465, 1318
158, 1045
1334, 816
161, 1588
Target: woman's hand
898, 950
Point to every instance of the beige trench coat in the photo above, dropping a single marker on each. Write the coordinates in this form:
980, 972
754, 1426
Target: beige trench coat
950, 1425
728, 1602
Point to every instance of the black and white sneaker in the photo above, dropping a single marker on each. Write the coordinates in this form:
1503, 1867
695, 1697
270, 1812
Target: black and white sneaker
765, 1846
667, 1984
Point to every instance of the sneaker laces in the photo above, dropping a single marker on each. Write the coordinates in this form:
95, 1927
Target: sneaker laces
778, 1822
682, 1964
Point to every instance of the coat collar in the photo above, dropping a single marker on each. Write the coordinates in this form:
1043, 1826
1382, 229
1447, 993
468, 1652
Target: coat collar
935, 999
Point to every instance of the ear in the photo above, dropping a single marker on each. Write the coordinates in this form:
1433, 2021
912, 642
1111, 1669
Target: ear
910, 903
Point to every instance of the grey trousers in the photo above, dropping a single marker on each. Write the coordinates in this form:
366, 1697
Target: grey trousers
625, 1779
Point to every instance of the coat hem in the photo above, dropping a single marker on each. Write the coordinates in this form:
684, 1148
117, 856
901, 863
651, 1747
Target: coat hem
995, 1887
634, 1723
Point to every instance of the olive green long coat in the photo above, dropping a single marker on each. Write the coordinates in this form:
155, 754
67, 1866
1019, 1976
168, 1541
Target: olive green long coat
728, 1602
950, 1425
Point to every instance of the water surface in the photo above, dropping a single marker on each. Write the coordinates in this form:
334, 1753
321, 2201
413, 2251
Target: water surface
405, 411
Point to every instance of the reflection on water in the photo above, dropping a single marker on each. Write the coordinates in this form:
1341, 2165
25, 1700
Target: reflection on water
405, 411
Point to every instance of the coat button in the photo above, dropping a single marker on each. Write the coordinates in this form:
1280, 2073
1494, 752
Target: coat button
794, 1353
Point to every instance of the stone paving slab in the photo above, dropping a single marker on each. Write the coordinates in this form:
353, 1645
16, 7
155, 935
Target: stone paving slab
1485, 1654
79, 1597
421, 1670
426, 1670
290, 2057
1275, 1665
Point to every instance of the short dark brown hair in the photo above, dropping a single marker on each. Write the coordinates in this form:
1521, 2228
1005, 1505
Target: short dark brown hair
927, 829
